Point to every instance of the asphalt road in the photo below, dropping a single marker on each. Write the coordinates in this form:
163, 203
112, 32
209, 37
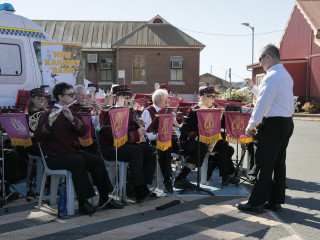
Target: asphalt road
301, 212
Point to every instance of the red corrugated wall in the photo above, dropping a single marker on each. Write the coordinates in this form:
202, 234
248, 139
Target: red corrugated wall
299, 42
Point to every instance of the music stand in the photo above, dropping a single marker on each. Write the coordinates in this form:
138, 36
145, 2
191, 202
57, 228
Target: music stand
116, 190
238, 164
198, 188
4, 201
153, 127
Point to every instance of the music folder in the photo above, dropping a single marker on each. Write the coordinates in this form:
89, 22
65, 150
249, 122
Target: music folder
155, 122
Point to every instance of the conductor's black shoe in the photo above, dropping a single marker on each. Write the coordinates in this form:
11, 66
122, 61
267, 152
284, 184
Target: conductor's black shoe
167, 185
111, 203
86, 208
276, 207
250, 208
183, 183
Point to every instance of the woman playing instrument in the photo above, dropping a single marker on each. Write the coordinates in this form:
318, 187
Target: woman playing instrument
35, 107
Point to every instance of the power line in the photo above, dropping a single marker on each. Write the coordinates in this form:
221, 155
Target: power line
230, 35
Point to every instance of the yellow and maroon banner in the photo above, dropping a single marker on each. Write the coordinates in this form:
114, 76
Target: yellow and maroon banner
119, 118
236, 124
86, 140
165, 132
17, 129
223, 103
209, 124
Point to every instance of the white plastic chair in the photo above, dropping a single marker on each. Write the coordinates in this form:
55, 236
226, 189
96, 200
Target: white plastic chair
111, 168
55, 174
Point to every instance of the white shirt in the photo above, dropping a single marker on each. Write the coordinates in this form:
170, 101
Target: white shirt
147, 118
274, 96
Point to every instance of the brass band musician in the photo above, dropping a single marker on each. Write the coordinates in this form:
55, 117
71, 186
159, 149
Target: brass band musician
59, 137
142, 161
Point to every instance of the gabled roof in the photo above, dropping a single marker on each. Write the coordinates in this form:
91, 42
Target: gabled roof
92, 34
155, 34
104, 35
311, 11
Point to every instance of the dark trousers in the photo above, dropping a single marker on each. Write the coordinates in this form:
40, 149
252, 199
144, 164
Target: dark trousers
164, 159
271, 142
221, 159
142, 161
79, 166
191, 149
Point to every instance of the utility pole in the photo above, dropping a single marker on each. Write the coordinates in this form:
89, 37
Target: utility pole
230, 81
211, 70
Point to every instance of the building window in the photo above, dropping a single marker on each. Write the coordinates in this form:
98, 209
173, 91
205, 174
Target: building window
259, 78
139, 68
84, 67
106, 70
176, 65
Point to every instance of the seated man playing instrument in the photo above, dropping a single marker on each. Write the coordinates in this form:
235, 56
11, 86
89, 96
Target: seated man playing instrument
142, 161
160, 100
189, 143
59, 137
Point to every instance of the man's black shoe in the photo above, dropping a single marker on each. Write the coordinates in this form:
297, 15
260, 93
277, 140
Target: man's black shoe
86, 208
149, 193
276, 207
234, 180
111, 203
184, 183
249, 207
167, 185
225, 181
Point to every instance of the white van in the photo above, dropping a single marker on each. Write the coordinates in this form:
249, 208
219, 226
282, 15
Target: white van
20, 55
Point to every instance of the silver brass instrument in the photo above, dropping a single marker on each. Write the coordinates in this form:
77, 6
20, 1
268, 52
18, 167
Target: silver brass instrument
60, 109
34, 119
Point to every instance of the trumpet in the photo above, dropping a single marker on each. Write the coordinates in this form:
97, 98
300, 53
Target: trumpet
60, 109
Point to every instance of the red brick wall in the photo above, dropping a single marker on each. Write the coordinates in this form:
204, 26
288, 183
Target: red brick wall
158, 68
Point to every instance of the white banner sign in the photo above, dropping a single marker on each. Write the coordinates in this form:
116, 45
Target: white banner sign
61, 62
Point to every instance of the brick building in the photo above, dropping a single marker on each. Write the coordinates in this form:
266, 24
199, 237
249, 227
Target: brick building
148, 53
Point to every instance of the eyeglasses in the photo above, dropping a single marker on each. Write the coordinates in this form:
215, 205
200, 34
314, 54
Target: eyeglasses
40, 99
211, 96
69, 94
260, 58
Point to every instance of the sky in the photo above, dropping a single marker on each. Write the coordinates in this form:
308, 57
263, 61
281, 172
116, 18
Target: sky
212, 22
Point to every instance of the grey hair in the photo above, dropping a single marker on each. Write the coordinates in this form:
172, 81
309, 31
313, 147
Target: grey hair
272, 50
78, 88
157, 95
202, 87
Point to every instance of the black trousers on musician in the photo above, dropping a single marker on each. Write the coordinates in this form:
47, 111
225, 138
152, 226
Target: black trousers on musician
79, 166
271, 142
142, 161
221, 159
191, 149
164, 159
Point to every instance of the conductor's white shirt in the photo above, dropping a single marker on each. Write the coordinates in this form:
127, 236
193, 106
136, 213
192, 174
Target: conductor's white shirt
274, 96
